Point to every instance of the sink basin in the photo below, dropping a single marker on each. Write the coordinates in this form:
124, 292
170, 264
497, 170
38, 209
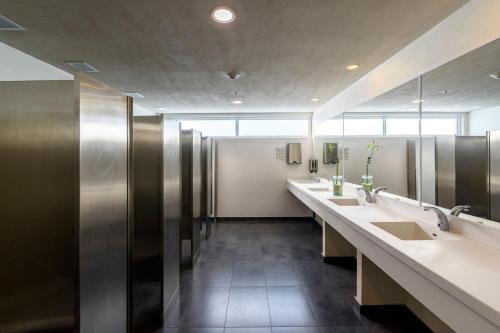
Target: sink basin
411, 231
346, 202
319, 189
304, 181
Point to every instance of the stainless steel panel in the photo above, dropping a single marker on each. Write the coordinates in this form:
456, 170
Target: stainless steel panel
294, 153
103, 207
191, 195
39, 200
147, 230
445, 171
494, 175
411, 168
214, 179
206, 186
330, 153
470, 173
171, 211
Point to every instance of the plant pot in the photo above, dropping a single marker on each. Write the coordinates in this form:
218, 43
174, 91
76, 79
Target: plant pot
338, 185
367, 182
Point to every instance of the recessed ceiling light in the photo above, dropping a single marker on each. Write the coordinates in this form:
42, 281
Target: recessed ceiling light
223, 15
315, 99
237, 101
352, 67
133, 94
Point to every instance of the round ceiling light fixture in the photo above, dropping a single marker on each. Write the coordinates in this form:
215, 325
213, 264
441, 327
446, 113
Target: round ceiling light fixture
315, 99
352, 67
223, 14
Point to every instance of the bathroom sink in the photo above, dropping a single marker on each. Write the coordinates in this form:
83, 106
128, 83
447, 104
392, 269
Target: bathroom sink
319, 189
304, 181
411, 231
346, 202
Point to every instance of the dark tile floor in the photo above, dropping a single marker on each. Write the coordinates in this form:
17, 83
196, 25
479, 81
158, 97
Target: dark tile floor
255, 277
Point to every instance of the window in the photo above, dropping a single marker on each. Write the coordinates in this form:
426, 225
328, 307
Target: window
211, 127
395, 126
274, 127
332, 127
368, 126
444, 126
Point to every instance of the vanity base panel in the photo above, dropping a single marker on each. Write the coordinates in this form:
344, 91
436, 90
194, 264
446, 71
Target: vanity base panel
376, 291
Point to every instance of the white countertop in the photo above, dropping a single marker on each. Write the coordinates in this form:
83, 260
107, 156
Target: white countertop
466, 269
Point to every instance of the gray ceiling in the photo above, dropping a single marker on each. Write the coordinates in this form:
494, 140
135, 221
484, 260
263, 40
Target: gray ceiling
465, 79
288, 50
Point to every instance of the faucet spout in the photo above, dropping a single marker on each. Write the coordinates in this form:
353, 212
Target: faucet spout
368, 194
443, 222
456, 211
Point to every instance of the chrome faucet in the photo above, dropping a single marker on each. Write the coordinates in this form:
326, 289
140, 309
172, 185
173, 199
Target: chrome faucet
456, 211
368, 194
379, 189
443, 223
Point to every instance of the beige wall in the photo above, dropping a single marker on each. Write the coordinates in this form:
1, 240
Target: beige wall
251, 182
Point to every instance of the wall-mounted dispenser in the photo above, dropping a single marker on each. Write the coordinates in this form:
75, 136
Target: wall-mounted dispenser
313, 166
294, 153
330, 153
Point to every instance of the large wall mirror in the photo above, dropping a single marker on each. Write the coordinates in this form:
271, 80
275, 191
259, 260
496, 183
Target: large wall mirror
378, 142
461, 100
434, 139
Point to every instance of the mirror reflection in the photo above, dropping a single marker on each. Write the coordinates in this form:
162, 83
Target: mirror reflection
461, 155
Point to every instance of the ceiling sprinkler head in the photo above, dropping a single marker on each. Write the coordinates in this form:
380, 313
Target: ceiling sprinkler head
233, 75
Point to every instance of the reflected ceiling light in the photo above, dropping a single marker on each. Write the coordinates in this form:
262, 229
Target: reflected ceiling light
223, 15
315, 99
495, 75
161, 109
237, 101
418, 101
352, 67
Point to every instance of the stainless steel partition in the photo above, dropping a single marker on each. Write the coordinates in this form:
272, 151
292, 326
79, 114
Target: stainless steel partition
493, 175
147, 224
171, 211
38, 195
103, 115
207, 183
471, 170
191, 196
445, 171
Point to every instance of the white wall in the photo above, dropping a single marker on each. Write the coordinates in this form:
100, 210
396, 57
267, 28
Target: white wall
484, 120
251, 182
389, 166
19, 66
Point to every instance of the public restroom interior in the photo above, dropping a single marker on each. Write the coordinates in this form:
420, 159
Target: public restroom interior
224, 166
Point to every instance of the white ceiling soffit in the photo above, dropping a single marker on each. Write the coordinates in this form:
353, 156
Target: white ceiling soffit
19, 66
287, 51
475, 24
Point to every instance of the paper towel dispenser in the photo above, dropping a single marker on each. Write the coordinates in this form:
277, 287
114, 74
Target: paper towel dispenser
294, 153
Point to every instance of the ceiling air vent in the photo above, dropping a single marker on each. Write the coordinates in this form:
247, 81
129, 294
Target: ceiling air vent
82, 66
133, 94
9, 25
